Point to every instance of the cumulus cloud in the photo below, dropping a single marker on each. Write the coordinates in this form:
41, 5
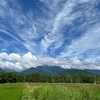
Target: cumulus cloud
19, 63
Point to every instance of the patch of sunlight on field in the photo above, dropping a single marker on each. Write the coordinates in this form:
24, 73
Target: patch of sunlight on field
61, 91
11, 91
58, 92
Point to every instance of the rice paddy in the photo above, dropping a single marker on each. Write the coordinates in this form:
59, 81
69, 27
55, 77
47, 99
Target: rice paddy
49, 91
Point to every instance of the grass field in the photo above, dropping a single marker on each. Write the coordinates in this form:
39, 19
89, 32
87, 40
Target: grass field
48, 91
11, 91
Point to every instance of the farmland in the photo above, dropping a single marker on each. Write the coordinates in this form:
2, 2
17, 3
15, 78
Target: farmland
11, 91
49, 91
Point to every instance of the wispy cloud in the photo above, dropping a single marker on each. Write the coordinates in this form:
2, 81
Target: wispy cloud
87, 46
62, 18
21, 25
76, 15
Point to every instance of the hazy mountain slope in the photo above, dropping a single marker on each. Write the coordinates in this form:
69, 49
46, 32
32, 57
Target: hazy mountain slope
51, 70
74, 72
54, 70
1, 70
97, 72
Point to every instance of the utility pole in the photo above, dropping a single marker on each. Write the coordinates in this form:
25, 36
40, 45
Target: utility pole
94, 79
71, 80
78, 79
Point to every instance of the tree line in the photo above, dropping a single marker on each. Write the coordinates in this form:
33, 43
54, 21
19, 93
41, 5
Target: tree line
40, 77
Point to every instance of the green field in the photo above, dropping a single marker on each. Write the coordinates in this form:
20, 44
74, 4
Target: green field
11, 91
49, 91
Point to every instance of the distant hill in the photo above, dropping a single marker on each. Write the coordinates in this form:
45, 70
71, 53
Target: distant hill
6, 70
97, 72
1, 70
74, 72
50, 70
54, 70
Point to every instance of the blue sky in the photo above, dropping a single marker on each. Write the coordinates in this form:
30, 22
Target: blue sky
58, 29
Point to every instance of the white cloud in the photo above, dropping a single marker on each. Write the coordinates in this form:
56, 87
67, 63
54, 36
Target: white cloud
18, 63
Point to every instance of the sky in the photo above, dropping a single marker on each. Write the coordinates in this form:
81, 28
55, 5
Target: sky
62, 33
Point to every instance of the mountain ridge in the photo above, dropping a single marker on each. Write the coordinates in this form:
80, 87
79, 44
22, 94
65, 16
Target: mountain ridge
54, 70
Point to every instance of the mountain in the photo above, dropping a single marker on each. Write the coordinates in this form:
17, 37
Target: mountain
54, 70
97, 72
74, 72
1, 70
6, 70
50, 70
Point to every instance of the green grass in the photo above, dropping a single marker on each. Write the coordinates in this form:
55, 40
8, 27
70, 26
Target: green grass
52, 92
11, 91
49, 91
